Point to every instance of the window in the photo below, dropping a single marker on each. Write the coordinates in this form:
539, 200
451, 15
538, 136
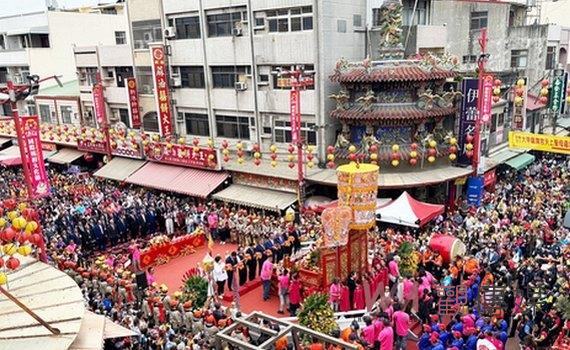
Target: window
196, 124
31, 107
478, 20
357, 21
409, 17
341, 26
221, 24
519, 58
145, 32
227, 76
45, 113
144, 80
150, 122
232, 127
550, 57
309, 67
469, 59
289, 20
2, 42
501, 120
124, 117
66, 114
120, 38
191, 76
122, 74
282, 132
186, 27
493, 123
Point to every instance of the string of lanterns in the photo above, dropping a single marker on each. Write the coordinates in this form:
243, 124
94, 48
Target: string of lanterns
544, 91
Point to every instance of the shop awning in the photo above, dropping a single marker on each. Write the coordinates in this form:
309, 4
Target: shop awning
119, 169
193, 182
11, 156
257, 197
408, 211
65, 156
521, 161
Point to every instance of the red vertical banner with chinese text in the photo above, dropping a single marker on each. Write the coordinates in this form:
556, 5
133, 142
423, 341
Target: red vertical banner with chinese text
134, 109
487, 99
33, 157
99, 105
161, 90
295, 118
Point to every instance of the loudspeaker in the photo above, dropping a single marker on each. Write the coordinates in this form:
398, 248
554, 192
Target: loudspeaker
140, 278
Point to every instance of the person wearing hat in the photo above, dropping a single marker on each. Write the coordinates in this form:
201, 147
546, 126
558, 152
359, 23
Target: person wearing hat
424, 342
174, 315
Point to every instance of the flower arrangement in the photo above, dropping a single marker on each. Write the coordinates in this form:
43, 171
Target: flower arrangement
317, 314
159, 241
195, 290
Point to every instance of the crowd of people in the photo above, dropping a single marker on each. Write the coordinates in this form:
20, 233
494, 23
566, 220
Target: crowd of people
516, 242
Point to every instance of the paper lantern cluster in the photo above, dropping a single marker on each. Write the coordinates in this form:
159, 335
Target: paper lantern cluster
273, 150
121, 138
226, 151
544, 91
452, 150
92, 135
519, 92
431, 150
239, 152
413, 154
256, 154
395, 157
469, 145
310, 156
373, 154
497, 90
19, 234
291, 156
65, 133
330, 157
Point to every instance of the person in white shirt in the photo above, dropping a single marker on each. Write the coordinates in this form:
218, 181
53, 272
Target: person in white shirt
220, 274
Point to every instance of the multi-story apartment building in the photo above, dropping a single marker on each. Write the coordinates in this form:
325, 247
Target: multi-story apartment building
42, 42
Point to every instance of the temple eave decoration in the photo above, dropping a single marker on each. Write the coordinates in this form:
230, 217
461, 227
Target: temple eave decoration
397, 113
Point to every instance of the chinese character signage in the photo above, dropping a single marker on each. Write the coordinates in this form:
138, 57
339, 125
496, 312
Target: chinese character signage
33, 157
99, 106
539, 142
519, 106
183, 155
161, 90
468, 117
557, 92
486, 96
95, 146
490, 178
295, 118
134, 109
474, 190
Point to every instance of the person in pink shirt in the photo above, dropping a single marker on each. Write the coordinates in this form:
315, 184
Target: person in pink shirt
393, 271
367, 333
265, 275
294, 295
334, 294
402, 323
386, 336
283, 290
378, 324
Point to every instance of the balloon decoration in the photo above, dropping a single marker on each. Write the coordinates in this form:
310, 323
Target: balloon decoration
239, 152
310, 156
225, 151
19, 234
330, 157
413, 154
497, 90
256, 154
273, 150
544, 91
291, 156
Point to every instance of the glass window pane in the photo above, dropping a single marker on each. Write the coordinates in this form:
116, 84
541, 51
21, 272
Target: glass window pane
296, 24
296, 11
307, 23
283, 25
272, 25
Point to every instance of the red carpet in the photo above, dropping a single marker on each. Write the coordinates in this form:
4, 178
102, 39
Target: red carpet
172, 272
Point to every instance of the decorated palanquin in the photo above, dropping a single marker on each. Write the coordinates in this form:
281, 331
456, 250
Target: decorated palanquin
161, 249
392, 109
343, 247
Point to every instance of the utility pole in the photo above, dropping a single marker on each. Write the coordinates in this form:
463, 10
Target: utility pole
298, 79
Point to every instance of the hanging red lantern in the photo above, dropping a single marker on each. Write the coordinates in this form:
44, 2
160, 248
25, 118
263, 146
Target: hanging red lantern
12, 263
469, 154
544, 82
498, 82
452, 149
273, 156
543, 99
432, 152
330, 165
291, 165
196, 141
414, 146
257, 161
352, 157
469, 138
226, 159
373, 148
413, 161
291, 149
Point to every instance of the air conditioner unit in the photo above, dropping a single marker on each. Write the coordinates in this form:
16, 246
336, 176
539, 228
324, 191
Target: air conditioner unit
237, 31
241, 86
169, 32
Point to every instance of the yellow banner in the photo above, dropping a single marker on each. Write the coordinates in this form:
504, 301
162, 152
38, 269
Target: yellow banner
539, 142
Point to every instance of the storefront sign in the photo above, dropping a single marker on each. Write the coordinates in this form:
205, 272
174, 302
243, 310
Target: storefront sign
295, 118
128, 152
134, 109
49, 146
468, 117
183, 155
269, 182
519, 110
557, 92
486, 96
33, 157
92, 146
474, 190
162, 95
539, 142
99, 106
490, 178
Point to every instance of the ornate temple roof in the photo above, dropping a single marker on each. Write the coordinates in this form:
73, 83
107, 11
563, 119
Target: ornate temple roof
390, 112
426, 68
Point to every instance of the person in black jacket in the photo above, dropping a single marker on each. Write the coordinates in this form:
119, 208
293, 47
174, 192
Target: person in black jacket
351, 284
231, 260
